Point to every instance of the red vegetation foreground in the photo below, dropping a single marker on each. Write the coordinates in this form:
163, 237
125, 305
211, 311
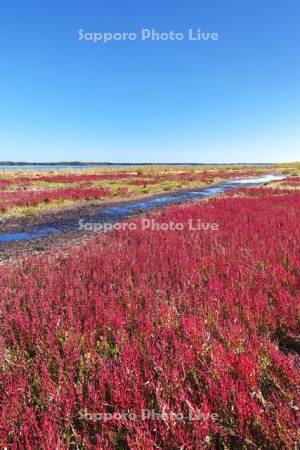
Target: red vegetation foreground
183, 322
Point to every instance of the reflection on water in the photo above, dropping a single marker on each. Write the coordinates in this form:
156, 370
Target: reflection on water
33, 234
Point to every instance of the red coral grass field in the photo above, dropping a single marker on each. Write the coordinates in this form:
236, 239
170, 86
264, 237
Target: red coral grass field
31, 192
178, 322
24, 198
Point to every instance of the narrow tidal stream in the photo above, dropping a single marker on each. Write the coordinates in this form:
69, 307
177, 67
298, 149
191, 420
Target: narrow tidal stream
117, 213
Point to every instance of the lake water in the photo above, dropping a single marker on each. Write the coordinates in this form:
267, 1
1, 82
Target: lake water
109, 166
61, 167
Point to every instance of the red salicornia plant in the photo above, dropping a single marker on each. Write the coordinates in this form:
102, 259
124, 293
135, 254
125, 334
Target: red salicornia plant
171, 321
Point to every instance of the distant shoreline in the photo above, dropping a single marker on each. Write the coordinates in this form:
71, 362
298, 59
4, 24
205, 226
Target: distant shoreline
79, 163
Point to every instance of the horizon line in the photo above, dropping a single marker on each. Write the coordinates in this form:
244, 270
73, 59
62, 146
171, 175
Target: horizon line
9, 163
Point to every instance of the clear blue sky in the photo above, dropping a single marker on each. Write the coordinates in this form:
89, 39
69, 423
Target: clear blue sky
232, 100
